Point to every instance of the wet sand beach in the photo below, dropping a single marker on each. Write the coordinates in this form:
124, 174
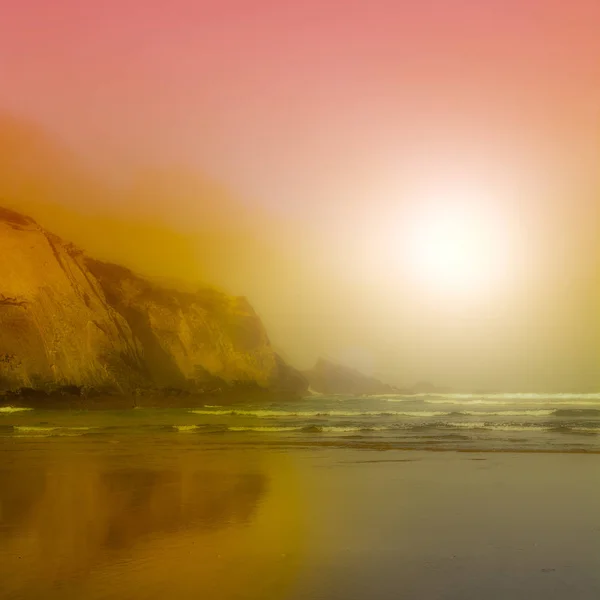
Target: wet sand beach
165, 516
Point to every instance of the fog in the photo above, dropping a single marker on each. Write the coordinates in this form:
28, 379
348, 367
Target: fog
286, 155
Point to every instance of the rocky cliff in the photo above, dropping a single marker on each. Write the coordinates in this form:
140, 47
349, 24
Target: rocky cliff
327, 377
69, 320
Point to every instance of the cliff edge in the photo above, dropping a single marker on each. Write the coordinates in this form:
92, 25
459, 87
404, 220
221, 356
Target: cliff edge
67, 320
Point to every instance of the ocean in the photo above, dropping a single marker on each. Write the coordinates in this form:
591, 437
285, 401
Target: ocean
463, 422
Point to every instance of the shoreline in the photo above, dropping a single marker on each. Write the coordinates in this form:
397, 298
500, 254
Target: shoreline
59, 400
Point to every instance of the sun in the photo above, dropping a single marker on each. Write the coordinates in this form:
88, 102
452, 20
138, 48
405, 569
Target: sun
456, 245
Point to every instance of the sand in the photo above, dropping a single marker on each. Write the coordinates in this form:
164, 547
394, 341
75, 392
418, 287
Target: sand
455, 526
149, 519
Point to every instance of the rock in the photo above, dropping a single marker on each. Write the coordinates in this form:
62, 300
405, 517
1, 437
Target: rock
327, 377
72, 323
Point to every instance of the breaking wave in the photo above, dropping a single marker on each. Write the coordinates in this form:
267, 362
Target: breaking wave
313, 429
508, 413
508, 396
318, 413
265, 429
480, 401
269, 414
186, 428
349, 429
44, 429
35, 431
498, 427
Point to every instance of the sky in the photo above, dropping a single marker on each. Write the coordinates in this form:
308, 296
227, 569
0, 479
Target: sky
324, 159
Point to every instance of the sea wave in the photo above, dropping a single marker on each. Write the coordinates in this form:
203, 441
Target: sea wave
480, 401
33, 431
265, 429
389, 397
46, 429
507, 413
349, 428
477, 401
312, 429
517, 427
186, 428
46, 435
269, 414
508, 427
509, 396
497, 426
13, 409
32, 428
318, 413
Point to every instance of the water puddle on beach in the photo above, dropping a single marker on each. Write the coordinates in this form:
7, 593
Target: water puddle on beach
94, 520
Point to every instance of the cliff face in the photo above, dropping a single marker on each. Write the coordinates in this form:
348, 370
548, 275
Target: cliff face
327, 377
66, 319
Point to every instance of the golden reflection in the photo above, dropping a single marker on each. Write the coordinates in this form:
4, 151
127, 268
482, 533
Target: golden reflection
128, 525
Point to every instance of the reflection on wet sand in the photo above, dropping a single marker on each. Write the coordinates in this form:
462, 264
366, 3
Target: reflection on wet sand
138, 525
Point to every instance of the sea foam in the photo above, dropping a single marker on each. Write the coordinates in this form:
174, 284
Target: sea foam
515, 396
186, 428
318, 413
265, 429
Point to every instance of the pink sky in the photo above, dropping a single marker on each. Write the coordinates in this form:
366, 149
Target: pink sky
280, 98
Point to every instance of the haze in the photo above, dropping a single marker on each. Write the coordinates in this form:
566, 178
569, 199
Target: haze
409, 188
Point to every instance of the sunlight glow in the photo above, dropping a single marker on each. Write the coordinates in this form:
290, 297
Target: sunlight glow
457, 243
